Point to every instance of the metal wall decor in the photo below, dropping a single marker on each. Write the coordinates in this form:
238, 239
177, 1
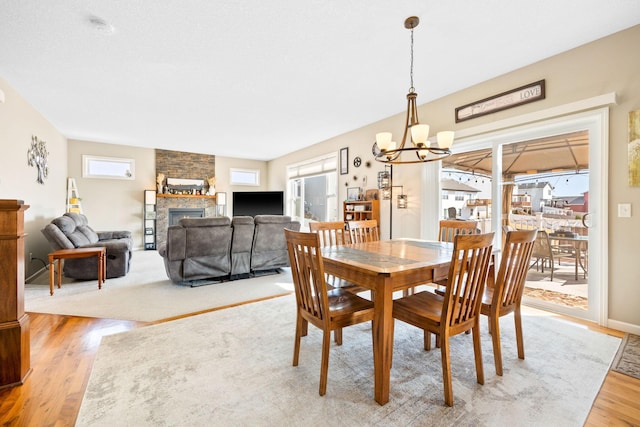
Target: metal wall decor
37, 156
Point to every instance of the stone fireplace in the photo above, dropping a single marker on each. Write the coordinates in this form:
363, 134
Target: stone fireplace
180, 206
176, 214
181, 165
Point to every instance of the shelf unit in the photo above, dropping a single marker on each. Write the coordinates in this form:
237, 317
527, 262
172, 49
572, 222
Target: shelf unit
358, 210
73, 197
149, 220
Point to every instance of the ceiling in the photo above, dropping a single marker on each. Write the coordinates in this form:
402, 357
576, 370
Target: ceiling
259, 79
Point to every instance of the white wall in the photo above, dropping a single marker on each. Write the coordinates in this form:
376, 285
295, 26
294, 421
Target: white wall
607, 65
113, 204
19, 121
223, 173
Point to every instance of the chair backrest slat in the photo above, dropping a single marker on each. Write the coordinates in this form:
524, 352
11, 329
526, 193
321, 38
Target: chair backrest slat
331, 233
451, 228
363, 231
467, 278
307, 271
516, 255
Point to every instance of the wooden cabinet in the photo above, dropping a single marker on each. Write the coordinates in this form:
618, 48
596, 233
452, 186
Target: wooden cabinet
361, 210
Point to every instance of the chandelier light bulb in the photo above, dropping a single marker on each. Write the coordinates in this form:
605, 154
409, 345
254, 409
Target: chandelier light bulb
445, 139
419, 134
383, 139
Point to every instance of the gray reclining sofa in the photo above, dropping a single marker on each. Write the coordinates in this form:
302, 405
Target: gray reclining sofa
72, 230
197, 249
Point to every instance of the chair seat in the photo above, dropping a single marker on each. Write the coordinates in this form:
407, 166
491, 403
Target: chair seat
425, 305
342, 304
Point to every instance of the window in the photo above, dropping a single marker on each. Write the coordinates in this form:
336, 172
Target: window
245, 177
312, 194
108, 167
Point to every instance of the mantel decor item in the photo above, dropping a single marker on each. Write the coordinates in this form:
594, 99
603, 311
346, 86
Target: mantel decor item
159, 182
37, 156
415, 146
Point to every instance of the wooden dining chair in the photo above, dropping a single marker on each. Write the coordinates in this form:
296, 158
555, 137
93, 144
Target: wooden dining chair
459, 309
363, 231
505, 294
333, 233
326, 309
449, 228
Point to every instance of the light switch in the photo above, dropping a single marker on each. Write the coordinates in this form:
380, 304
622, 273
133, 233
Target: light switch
624, 210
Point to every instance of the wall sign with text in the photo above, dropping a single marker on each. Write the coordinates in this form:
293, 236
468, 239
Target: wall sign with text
512, 98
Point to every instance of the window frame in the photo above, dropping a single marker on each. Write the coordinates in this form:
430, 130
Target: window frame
236, 173
127, 173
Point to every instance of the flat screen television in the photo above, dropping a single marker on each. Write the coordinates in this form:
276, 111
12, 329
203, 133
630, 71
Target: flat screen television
252, 203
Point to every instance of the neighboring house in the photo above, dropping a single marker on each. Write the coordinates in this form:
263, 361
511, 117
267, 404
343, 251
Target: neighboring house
575, 203
540, 194
456, 194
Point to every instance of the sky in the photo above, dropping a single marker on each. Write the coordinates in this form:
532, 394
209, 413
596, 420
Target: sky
566, 185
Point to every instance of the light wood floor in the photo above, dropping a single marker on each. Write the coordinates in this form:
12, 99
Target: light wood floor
63, 349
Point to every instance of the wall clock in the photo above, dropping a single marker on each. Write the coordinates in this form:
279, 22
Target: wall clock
357, 162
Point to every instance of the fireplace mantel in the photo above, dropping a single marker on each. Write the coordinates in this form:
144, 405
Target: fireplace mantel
191, 196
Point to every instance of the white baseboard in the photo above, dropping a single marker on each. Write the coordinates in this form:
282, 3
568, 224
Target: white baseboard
624, 327
36, 274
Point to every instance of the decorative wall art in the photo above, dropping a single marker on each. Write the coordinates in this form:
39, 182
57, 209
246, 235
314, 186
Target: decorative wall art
37, 156
344, 161
353, 193
634, 148
511, 98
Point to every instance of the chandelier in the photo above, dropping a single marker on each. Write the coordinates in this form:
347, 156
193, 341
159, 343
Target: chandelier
415, 146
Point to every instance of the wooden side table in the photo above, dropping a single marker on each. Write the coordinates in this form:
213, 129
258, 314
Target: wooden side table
62, 254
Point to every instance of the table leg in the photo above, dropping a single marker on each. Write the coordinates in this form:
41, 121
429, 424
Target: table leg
382, 339
52, 276
100, 269
60, 264
577, 246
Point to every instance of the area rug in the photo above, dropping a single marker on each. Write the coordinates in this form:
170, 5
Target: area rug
627, 360
233, 368
146, 294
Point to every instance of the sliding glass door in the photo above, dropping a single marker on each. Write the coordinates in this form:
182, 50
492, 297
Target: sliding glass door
550, 176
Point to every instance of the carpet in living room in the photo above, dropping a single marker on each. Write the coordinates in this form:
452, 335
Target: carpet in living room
147, 294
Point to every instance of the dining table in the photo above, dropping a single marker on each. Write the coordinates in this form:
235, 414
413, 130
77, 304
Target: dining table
384, 267
579, 248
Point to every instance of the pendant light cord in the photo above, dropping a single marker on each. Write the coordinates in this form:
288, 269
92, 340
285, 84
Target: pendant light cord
411, 88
